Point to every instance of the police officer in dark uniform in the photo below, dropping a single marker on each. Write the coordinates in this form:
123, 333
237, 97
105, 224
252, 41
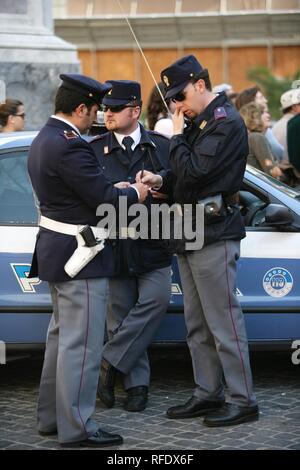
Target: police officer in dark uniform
208, 158
70, 185
139, 294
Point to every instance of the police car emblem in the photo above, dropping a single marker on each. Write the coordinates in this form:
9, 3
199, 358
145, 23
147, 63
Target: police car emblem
21, 271
278, 282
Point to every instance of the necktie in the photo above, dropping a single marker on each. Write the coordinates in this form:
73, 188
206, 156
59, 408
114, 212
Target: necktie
127, 142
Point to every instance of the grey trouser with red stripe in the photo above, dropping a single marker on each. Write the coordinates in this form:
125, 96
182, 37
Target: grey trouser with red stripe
216, 330
70, 374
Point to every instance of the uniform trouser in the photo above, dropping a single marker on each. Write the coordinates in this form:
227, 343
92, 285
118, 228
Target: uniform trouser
216, 331
70, 373
136, 308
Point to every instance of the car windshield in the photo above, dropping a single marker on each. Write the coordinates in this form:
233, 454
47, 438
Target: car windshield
275, 183
17, 204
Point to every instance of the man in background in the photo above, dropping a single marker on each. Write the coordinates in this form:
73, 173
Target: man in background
290, 106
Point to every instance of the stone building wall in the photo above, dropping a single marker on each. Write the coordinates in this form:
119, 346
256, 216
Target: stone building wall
32, 57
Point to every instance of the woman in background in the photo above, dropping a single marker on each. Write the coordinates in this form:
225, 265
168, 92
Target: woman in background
254, 94
257, 120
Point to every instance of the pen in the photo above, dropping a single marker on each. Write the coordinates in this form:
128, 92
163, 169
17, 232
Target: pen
142, 174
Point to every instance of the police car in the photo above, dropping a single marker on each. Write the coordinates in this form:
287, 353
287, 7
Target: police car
268, 282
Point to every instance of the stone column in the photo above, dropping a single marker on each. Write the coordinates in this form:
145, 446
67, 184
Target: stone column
32, 57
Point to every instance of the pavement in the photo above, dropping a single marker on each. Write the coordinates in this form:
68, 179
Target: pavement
277, 388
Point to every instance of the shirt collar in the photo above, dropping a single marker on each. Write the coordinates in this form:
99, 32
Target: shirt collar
135, 135
66, 122
113, 143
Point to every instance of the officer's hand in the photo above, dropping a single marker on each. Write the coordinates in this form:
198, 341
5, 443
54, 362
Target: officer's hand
178, 121
122, 185
149, 178
157, 195
142, 189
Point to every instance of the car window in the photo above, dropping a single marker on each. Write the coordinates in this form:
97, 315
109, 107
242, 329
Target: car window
251, 206
291, 192
17, 204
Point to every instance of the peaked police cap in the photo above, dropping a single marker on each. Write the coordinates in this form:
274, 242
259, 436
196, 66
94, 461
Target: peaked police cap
86, 86
122, 92
180, 73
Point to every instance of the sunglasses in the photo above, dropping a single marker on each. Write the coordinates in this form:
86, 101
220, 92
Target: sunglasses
117, 108
180, 96
21, 115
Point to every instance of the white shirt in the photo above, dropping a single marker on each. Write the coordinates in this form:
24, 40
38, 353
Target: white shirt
135, 135
66, 122
164, 126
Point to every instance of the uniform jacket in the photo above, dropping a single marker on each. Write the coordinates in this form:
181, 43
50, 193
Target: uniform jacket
209, 158
70, 185
152, 153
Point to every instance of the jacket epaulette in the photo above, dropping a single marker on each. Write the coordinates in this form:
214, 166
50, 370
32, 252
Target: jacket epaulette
70, 135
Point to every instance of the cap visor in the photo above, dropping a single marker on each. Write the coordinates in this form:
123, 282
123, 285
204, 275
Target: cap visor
176, 89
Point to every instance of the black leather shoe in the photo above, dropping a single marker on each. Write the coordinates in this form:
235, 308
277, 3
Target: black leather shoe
231, 414
48, 433
137, 398
106, 384
98, 439
193, 407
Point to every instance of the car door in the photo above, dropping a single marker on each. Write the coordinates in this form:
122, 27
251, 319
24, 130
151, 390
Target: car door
268, 281
24, 303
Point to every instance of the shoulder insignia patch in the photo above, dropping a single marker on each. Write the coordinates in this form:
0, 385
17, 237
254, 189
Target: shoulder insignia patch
220, 113
70, 135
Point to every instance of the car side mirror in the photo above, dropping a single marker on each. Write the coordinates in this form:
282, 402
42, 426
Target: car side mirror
277, 214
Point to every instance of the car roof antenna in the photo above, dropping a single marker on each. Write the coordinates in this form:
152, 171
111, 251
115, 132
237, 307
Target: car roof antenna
142, 52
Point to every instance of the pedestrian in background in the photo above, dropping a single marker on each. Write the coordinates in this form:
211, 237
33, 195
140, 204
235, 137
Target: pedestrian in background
293, 143
158, 117
12, 116
254, 94
260, 156
290, 106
